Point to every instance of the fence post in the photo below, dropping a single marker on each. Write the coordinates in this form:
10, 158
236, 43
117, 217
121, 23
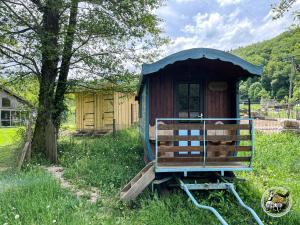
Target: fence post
26, 151
114, 126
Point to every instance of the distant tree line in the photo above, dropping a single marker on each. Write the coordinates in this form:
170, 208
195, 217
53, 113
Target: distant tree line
273, 55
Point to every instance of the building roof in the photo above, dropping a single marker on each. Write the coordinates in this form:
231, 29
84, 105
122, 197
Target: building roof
200, 53
3, 88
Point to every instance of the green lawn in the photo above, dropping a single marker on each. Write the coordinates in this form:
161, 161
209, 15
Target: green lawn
9, 139
8, 136
108, 163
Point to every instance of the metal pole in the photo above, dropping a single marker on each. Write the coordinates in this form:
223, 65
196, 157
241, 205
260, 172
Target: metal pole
156, 141
249, 108
10, 118
252, 143
291, 87
204, 144
212, 209
255, 216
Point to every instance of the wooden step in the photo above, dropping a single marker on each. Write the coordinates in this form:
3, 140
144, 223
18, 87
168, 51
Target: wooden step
138, 183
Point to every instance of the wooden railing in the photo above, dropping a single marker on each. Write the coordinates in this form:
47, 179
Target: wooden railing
204, 142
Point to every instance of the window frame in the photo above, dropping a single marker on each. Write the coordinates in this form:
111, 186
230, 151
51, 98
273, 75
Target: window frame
200, 98
5, 99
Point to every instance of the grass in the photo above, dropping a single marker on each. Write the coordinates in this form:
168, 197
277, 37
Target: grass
9, 139
33, 197
108, 163
8, 136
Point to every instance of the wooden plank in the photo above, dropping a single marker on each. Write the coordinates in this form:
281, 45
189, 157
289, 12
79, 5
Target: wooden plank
23, 154
228, 159
201, 159
179, 138
211, 148
26, 151
229, 148
180, 148
200, 165
207, 138
197, 126
138, 183
228, 137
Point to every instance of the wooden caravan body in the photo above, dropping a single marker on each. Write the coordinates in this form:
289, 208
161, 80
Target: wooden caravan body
189, 112
98, 111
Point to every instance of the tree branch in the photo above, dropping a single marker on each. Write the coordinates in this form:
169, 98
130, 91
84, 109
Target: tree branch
18, 17
36, 71
16, 32
18, 62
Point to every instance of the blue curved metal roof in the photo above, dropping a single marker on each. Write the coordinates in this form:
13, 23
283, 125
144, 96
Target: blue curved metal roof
198, 53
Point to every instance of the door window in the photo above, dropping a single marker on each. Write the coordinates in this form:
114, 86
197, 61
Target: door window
189, 99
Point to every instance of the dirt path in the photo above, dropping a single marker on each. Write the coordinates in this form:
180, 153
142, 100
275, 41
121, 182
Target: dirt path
3, 168
58, 172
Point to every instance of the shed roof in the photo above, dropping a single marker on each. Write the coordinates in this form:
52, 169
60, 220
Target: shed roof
9, 92
200, 53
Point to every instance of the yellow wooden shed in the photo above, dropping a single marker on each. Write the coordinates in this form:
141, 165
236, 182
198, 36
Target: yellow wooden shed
99, 111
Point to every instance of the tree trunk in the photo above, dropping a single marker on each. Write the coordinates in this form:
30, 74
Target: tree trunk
65, 65
45, 133
44, 137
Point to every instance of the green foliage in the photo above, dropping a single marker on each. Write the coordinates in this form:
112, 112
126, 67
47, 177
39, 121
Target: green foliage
27, 88
272, 54
283, 7
100, 38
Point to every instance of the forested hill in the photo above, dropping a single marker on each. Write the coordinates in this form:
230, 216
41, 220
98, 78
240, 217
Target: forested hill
272, 55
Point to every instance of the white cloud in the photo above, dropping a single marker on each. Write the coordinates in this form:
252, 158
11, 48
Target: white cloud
184, 1
228, 2
226, 32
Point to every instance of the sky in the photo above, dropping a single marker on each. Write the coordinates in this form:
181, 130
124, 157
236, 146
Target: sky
220, 24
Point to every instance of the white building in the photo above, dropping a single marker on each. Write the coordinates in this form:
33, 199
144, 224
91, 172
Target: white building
14, 110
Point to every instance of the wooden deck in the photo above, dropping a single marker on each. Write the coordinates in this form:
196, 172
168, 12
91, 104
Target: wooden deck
197, 165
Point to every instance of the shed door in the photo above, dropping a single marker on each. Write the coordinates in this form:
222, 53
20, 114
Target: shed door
108, 111
189, 102
88, 112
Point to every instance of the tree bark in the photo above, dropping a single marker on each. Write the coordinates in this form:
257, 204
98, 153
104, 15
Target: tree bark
65, 64
45, 133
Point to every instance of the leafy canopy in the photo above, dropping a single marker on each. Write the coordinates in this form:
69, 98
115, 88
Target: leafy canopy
111, 37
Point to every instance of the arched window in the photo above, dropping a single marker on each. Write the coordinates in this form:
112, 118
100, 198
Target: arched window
5, 102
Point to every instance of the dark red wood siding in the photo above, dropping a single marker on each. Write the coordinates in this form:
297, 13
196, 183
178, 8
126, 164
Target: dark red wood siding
160, 97
220, 104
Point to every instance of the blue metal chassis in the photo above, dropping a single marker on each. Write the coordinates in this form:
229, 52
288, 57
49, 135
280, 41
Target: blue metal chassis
214, 186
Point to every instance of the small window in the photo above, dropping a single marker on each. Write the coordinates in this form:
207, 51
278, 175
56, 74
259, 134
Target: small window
5, 102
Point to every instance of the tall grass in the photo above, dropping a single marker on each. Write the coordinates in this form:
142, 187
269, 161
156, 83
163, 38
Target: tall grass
109, 162
106, 162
